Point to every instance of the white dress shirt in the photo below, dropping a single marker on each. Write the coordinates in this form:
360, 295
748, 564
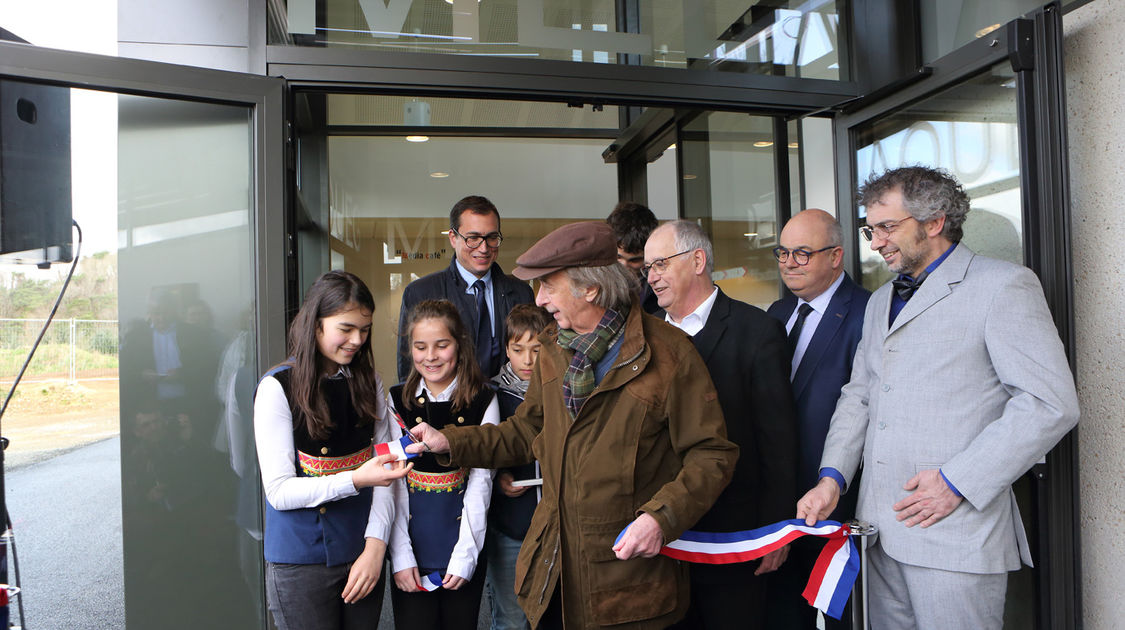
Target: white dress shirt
694, 321
474, 513
273, 437
819, 306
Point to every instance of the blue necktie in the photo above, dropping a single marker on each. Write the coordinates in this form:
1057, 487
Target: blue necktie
484, 330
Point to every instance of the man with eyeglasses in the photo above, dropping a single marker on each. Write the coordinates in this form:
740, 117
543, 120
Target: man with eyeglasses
748, 359
483, 293
824, 320
960, 384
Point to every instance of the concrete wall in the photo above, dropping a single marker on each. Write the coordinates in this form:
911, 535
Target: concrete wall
204, 33
1095, 76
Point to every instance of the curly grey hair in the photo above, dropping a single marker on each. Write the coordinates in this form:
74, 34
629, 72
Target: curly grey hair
927, 193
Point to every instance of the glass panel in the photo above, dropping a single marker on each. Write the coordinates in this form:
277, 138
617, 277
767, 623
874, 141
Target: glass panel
660, 177
728, 181
190, 500
141, 391
971, 131
946, 26
787, 37
389, 205
409, 111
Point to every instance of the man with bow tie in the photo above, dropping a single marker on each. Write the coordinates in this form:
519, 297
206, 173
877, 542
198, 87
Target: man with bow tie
960, 384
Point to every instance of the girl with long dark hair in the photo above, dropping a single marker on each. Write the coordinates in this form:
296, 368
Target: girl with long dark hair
329, 509
441, 515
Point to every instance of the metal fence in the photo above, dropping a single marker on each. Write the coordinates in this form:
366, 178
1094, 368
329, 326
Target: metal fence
72, 349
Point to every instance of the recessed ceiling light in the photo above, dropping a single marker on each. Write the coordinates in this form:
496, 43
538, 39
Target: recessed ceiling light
750, 234
986, 30
417, 138
439, 174
793, 145
672, 146
761, 144
690, 176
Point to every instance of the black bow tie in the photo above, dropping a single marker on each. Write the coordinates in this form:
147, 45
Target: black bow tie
905, 286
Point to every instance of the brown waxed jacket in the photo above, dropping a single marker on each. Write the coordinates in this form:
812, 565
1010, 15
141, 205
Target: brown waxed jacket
651, 438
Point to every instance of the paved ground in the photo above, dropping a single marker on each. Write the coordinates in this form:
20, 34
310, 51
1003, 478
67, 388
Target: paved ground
66, 516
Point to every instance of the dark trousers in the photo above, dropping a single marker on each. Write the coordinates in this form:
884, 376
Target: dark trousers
784, 588
307, 597
725, 597
440, 609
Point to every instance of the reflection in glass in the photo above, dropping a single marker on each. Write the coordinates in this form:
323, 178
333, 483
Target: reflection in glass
190, 498
787, 38
728, 182
971, 131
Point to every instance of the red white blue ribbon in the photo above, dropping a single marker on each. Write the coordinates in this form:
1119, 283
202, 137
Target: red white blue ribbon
833, 574
430, 582
396, 448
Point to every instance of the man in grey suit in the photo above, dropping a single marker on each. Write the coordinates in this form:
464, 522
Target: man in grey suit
959, 386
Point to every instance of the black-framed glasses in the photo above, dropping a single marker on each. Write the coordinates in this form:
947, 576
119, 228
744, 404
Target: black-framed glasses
882, 230
660, 265
474, 240
800, 256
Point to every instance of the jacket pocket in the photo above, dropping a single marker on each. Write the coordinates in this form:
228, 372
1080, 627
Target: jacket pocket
623, 591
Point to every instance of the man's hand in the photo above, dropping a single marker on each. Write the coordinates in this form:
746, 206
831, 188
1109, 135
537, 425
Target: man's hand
643, 537
364, 572
772, 561
430, 440
408, 580
932, 500
505, 478
819, 502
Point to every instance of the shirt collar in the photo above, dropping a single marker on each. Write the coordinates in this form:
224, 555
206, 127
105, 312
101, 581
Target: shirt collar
701, 312
342, 372
443, 396
820, 302
469, 278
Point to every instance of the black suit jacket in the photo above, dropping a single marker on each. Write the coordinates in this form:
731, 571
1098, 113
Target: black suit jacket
748, 356
825, 368
507, 291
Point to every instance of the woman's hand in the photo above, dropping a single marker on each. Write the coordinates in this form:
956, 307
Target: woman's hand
453, 582
374, 473
408, 580
364, 572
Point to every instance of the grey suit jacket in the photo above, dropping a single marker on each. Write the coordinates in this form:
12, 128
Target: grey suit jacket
971, 378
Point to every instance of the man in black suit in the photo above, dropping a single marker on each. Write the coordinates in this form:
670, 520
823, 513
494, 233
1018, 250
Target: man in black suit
746, 353
810, 258
479, 288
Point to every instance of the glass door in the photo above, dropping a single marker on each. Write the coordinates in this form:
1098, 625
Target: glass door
132, 481
992, 114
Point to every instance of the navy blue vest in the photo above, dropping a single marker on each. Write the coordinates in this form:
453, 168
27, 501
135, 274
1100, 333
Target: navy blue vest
512, 516
437, 493
332, 533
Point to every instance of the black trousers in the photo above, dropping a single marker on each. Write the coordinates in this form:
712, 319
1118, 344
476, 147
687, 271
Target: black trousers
725, 597
440, 609
787, 607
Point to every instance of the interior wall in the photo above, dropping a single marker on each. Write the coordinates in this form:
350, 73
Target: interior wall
1095, 78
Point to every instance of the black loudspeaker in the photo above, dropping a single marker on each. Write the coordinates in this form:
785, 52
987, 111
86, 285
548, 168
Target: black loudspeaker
35, 187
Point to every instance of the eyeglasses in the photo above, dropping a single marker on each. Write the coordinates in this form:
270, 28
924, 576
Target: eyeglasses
882, 230
660, 265
474, 240
800, 256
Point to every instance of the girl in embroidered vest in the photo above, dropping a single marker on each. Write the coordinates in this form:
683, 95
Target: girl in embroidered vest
329, 507
441, 512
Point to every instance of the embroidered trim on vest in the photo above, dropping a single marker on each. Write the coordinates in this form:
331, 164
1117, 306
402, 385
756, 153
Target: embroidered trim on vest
453, 481
314, 466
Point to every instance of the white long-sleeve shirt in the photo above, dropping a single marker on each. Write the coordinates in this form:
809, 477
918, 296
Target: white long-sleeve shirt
474, 512
273, 437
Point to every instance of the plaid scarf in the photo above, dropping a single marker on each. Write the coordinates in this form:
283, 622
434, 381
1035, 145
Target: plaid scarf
589, 348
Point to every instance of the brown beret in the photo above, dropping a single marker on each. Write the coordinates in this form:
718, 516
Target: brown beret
585, 244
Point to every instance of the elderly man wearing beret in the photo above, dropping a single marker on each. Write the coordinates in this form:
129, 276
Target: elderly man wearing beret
625, 423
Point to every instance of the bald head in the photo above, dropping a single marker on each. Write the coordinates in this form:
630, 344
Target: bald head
811, 231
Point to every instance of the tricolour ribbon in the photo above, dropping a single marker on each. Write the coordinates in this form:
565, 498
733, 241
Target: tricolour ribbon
832, 577
396, 448
430, 582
